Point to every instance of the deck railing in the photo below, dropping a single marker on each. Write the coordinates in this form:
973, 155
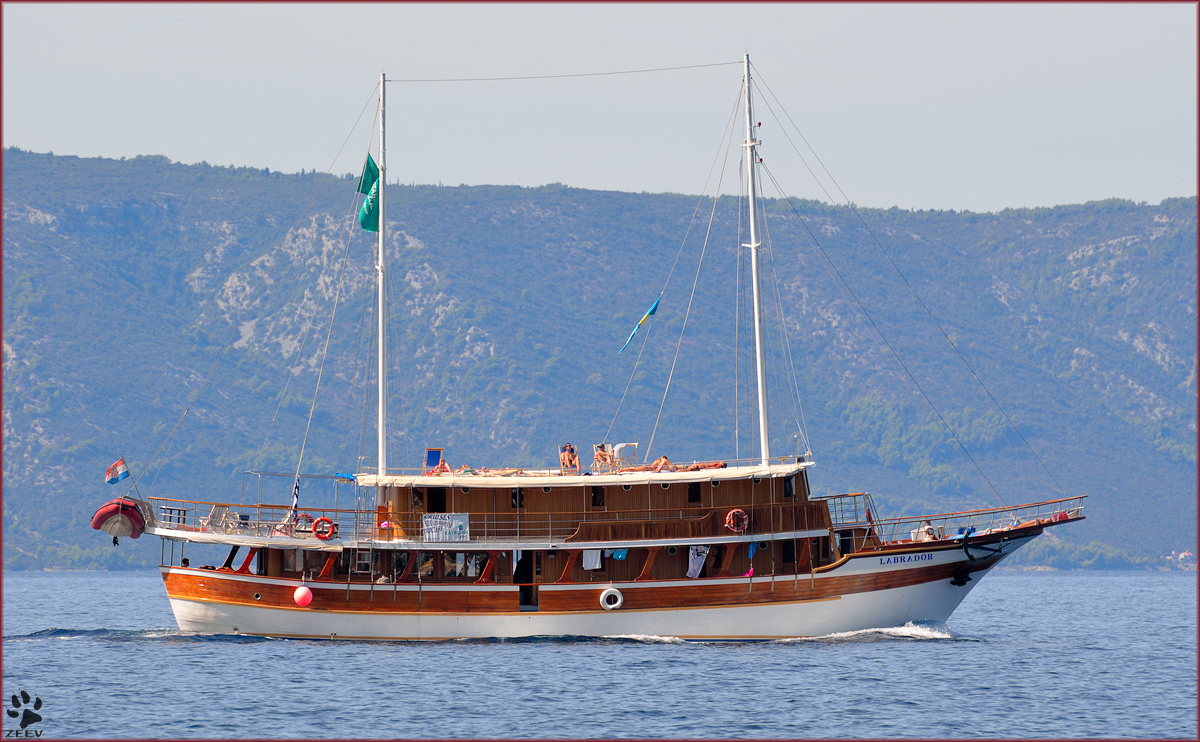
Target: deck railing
278, 521
855, 511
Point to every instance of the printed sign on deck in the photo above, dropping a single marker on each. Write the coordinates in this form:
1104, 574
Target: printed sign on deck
445, 527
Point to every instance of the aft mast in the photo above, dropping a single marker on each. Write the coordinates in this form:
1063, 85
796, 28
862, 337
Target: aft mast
751, 145
381, 442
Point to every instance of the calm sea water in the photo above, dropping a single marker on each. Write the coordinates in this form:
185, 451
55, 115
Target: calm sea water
1097, 654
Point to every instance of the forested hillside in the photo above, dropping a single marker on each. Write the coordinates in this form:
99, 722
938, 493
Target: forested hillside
129, 283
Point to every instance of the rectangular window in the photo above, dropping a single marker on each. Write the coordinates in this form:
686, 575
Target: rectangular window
476, 561
789, 552
789, 487
537, 563
518, 498
424, 565
454, 564
597, 497
436, 500
418, 498
694, 496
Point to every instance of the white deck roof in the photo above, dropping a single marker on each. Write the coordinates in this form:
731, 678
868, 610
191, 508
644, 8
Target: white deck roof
553, 478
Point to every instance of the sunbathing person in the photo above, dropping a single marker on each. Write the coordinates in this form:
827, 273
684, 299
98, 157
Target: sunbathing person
601, 457
663, 463
573, 457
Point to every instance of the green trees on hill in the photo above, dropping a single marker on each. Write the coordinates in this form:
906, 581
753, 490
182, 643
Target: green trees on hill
124, 280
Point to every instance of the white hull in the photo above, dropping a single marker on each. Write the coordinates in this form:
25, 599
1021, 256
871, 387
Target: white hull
931, 602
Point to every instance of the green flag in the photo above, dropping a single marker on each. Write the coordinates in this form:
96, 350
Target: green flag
369, 176
368, 215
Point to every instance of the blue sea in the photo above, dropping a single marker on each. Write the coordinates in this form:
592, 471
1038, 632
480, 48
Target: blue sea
1028, 654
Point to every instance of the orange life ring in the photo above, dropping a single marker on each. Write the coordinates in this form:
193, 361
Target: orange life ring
732, 525
324, 536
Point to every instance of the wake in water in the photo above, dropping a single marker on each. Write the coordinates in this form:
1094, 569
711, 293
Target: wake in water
908, 632
145, 635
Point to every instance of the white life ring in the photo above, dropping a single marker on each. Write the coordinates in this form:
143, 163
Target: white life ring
606, 601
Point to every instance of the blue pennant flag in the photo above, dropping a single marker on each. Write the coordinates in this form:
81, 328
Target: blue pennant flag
646, 316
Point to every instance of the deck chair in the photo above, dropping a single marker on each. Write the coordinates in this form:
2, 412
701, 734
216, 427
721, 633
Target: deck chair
626, 454
433, 460
215, 521
563, 469
602, 457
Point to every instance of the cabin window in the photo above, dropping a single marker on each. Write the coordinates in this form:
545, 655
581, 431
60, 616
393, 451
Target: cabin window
757, 480
665, 486
418, 498
291, 558
789, 487
626, 487
476, 561
802, 484
437, 500
518, 498
399, 561
716, 484
597, 497
546, 490
789, 552
314, 560
694, 493
537, 563
465, 490
454, 564
424, 566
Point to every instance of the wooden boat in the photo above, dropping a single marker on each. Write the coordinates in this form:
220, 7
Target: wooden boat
737, 550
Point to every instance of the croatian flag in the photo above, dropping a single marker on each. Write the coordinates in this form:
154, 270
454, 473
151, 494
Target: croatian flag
117, 472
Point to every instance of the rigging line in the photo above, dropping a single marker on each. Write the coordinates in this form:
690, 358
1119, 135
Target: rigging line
329, 171
789, 360
737, 318
324, 354
347, 224
949, 429
236, 324
700, 200
362, 322
353, 394
628, 383
556, 77
789, 367
687, 232
878, 244
171, 435
695, 281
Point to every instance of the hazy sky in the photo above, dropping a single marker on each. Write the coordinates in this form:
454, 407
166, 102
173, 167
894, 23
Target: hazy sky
968, 106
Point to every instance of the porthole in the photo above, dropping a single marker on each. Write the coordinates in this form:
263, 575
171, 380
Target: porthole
665, 486
716, 484
757, 480
625, 487
465, 490
546, 490
672, 550
762, 545
257, 596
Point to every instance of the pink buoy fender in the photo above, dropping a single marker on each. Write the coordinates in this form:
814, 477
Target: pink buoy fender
302, 596
119, 517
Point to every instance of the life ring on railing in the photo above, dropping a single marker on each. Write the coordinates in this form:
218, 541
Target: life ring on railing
303, 517
611, 599
732, 522
317, 528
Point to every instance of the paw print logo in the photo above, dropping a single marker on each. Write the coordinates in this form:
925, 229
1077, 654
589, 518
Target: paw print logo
28, 715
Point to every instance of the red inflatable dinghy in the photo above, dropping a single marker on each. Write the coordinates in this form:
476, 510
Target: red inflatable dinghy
119, 517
